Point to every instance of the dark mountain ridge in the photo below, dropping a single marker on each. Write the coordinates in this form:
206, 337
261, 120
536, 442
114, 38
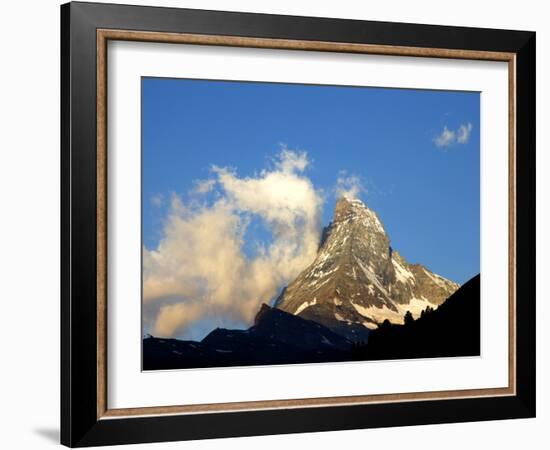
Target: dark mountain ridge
278, 337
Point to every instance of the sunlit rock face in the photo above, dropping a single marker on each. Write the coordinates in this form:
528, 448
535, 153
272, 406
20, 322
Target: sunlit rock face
357, 280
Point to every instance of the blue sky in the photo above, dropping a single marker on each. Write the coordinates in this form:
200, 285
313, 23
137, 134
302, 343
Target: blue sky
415, 153
427, 195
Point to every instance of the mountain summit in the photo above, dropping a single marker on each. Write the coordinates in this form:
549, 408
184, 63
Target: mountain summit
357, 280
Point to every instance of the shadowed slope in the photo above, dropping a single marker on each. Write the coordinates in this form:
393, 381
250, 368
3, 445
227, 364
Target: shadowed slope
453, 329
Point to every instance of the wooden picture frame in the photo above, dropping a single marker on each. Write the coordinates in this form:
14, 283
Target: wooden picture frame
86, 418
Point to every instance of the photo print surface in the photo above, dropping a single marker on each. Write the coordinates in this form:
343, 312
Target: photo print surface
292, 223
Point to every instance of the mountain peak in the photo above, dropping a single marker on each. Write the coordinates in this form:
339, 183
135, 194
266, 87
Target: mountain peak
346, 206
358, 280
350, 201
356, 212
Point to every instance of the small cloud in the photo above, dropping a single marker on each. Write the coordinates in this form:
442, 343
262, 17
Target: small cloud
463, 135
348, 186
446, 138
449, 137
289, 161
204, 186
157, 200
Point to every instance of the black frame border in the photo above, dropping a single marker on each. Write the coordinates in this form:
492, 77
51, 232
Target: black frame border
79, 423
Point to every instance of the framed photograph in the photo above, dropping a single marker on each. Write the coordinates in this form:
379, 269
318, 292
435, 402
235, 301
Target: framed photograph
276, 224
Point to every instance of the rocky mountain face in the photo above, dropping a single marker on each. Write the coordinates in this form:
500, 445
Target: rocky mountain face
357, 280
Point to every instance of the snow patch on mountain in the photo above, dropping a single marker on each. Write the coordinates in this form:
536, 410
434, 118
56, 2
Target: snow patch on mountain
305, 305
415, 307
403, 275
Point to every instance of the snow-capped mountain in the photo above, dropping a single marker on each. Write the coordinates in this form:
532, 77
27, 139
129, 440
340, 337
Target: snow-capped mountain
357, 280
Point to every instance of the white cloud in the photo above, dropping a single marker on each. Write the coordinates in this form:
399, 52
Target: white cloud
172, 317
348, 186
463, 134
204, 186
446, 138
290, 161
200, 269
449, 137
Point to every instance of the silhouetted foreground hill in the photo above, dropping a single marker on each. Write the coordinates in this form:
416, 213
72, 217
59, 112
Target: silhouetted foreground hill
453, 329
278, 337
